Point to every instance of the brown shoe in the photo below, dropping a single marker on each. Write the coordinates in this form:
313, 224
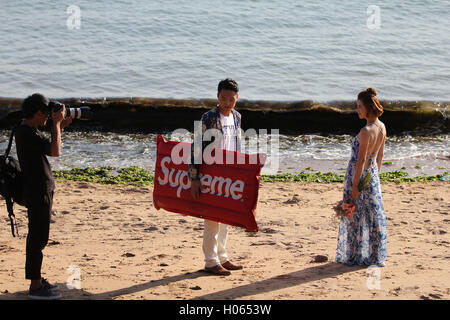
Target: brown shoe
218, 270
229, 266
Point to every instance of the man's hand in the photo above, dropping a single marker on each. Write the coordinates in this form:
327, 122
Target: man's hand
58, 116
196, 186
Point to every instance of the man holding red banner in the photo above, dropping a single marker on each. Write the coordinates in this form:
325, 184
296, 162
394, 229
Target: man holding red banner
227, 120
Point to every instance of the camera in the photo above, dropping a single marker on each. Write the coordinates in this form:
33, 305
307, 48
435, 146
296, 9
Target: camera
81, 113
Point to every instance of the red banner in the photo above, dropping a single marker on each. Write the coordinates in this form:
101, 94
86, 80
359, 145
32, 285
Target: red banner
229, 192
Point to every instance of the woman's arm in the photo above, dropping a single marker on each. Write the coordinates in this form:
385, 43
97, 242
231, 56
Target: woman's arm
362, 156
380, 156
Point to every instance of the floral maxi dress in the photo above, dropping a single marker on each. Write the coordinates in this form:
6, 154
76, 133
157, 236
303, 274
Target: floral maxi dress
362, 239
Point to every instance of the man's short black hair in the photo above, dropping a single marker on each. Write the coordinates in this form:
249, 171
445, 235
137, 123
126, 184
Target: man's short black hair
33, 104
228, 84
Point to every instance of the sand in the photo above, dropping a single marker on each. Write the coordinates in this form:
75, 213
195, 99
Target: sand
125, 249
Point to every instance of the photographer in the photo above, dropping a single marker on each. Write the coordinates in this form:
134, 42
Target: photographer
32, 150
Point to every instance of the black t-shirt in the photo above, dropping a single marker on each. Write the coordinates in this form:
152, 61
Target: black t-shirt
32, 150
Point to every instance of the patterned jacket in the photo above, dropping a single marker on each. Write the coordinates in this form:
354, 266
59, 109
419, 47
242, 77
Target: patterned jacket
211, 120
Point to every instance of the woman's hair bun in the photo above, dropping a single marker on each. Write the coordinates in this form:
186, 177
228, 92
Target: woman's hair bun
371, 91
369, 98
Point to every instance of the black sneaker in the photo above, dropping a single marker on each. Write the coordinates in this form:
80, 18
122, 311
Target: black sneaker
43, 293
48, 285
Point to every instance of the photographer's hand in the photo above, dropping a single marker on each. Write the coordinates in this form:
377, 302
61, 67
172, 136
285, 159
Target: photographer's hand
58, 116
56, 132
66, 122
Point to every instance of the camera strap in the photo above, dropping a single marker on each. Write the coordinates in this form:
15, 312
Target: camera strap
9, 203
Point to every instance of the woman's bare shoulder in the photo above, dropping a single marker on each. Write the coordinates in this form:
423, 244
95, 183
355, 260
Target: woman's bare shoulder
383, 127
364, 133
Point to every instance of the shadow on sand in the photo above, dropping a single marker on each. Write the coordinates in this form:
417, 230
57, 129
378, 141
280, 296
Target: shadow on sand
284, 281
276, 283
81, 294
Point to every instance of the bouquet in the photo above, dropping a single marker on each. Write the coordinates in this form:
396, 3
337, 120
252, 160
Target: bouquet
346, 207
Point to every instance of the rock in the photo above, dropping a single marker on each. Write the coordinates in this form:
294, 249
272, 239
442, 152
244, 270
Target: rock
195, 288
163, 265
151, 229
128, 255
182, 221
319, 259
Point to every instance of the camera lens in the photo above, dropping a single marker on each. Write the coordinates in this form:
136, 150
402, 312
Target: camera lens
82, 113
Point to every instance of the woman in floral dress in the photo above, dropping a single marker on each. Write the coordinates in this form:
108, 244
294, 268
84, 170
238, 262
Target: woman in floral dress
362, 238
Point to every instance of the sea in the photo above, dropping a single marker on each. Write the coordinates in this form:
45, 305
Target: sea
277, 50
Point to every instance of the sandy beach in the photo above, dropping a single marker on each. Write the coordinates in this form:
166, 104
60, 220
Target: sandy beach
125, 249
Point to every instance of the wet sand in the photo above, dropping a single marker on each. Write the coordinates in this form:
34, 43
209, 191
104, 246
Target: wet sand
125, 249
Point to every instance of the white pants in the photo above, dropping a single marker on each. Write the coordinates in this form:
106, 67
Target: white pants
214, 243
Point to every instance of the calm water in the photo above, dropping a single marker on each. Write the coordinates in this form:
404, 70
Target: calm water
296, 153
275, 49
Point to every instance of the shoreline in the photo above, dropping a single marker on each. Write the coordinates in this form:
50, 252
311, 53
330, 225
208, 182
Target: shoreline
13, 103
299, 117
126, 250
142, 177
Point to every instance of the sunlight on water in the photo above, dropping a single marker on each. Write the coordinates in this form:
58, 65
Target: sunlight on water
296, 153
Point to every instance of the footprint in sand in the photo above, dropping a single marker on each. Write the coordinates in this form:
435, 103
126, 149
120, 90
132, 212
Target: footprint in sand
269, 231
263, 243
295, 200
5, 248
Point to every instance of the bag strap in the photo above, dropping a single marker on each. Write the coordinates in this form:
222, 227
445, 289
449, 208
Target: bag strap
12, 216
8, 149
